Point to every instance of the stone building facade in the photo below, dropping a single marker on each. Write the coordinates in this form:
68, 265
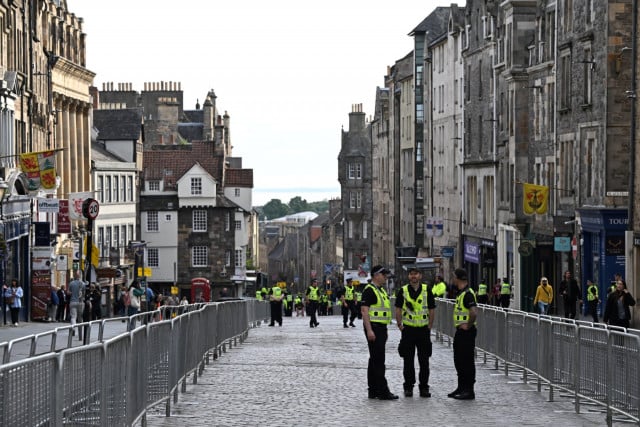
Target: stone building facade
355, 177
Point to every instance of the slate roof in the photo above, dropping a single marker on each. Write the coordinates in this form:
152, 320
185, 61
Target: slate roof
170, 162
435, 24
191, 131
194, 116
99, 153
124, 124
239, 178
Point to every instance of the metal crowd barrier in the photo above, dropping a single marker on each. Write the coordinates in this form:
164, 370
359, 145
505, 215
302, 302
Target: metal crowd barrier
116, 380
596, 364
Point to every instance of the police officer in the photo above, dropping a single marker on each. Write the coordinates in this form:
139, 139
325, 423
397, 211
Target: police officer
275, 297
414, 309
348, 304
358, 304
592, 300
288, 304
483, 297
312, 299
439, 287
464, 340
505, 293
376, 315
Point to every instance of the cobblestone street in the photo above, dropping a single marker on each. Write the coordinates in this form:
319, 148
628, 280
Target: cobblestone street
295, 375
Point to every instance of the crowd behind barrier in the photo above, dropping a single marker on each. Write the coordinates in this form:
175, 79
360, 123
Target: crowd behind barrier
598, 365
115, 380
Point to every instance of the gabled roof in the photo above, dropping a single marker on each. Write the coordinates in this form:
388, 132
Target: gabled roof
124, 124
239, 178
170, 162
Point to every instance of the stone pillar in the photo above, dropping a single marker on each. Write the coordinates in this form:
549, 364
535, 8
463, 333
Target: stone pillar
81, 140
66, 152
86, 131
73, 147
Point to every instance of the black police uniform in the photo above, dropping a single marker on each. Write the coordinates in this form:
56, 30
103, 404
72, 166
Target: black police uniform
376, 380
464, 342
416, 338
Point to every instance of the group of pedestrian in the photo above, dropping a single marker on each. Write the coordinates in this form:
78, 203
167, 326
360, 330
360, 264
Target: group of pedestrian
616, 308
414, 313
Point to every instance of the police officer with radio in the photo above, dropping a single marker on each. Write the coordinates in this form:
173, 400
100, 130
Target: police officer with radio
465, 312
376, 315
414, 307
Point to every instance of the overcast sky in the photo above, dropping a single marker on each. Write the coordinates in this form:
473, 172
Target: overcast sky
286, 71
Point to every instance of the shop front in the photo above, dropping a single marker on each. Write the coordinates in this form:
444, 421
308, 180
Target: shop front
602, 247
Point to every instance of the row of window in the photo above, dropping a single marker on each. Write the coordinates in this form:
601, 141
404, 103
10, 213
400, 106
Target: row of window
115, 188
114, 236
199, 257
199, 221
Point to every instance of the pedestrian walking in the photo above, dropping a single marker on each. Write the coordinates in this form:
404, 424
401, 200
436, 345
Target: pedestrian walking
299, 306
414, 308
592, 300
495, 293
275, 301
53, 304
95, 298
63, 300
76, 297
570, 291
312, 299
348, 304
617, 312
376, 315
544, 296
464, 340
13, 299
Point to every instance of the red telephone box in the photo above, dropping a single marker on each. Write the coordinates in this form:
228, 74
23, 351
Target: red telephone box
200, 290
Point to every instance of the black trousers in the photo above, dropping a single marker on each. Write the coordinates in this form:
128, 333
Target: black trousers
464, 343
349, 312
376, 368
483, 299
505, 299
416, 339
592, 307
570, 308
276, 312
312, 309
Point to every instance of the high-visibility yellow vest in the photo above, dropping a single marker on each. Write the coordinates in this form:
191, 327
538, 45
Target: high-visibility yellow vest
415, 312
358, 296
482, 289
380, 312
289, 297
505, 289
592, 292
259, 295
348, 293
276, 291
313, 293
460, 312
439, 289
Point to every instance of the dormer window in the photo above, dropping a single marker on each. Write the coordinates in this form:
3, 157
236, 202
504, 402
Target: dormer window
154, 185
196, 186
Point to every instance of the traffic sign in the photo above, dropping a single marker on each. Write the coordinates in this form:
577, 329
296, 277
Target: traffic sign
90, 208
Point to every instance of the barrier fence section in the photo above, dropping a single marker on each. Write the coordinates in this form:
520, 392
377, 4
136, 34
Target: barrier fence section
115, 381
597, 365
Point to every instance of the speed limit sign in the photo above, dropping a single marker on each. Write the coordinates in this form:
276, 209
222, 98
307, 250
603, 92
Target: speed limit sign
90, 208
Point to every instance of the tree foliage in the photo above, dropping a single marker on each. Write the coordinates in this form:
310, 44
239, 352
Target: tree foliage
276, 209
